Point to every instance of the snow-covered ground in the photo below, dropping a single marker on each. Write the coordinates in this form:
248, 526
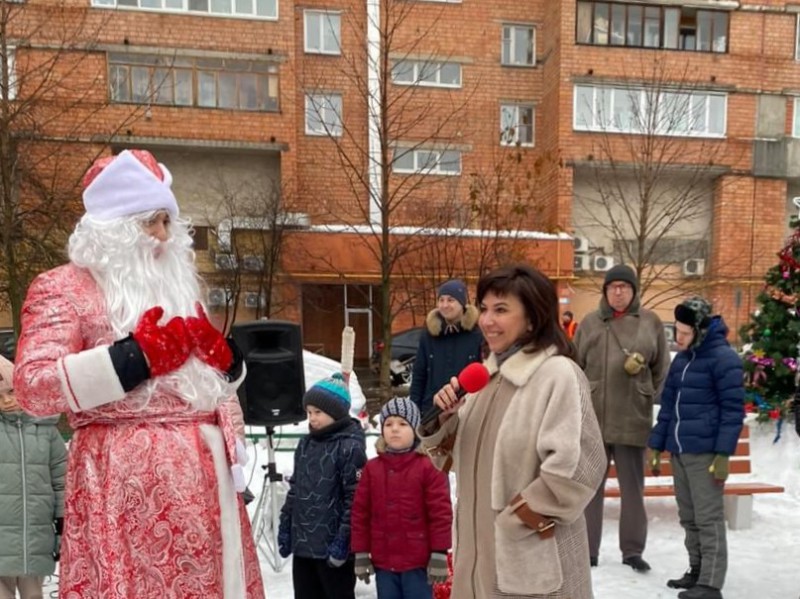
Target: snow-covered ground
762, 559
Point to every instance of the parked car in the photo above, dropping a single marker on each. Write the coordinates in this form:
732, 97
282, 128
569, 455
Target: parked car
7, 344
404, 350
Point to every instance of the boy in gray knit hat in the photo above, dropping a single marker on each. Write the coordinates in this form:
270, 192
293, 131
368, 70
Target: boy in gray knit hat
401, 496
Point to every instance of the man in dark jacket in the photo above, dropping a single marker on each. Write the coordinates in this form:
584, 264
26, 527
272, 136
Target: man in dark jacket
622, 349
702, 409
451, 340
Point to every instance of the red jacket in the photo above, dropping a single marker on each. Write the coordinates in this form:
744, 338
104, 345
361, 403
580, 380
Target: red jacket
401, 512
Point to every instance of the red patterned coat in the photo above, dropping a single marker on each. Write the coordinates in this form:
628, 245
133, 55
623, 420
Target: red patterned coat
150, 503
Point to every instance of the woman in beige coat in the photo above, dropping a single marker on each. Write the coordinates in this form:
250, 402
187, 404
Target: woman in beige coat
527, 451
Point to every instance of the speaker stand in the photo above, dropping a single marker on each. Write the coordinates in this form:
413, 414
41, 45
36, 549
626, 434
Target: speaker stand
266, 520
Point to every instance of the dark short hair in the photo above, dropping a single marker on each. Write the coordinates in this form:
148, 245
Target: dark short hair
539, 299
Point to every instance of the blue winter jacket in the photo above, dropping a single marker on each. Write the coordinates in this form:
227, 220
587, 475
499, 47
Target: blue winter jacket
702, 404
442, 355
327, 466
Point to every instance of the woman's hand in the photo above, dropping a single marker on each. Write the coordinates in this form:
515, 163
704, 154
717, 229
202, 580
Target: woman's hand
447, 400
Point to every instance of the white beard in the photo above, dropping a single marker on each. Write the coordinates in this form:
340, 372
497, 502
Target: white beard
136, 272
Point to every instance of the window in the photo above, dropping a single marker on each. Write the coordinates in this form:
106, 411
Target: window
634, 25
190, 81
323, 32
796, 118
257, 9
324, 114
427, 162
516, 125
645, 111
11, 93
426, 73
518, 45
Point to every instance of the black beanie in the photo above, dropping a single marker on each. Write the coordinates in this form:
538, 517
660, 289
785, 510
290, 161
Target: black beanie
621, 272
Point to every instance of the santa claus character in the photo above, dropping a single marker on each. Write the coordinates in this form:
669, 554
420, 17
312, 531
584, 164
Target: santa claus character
118, 339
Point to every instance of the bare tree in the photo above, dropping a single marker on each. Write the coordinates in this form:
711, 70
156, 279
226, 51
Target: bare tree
55, 120
469, 237
251, 221
646, 190
406, 157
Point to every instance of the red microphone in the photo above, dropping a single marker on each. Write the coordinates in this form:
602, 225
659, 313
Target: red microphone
471, 379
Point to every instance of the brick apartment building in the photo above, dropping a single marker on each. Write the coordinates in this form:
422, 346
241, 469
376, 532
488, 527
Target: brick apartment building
526, 105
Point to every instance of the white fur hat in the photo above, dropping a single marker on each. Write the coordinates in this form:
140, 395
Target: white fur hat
126, 186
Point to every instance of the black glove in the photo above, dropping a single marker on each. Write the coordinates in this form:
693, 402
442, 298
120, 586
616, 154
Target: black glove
58, 526
796, 410
284, 540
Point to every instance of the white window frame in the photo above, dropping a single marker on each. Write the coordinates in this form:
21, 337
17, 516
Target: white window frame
419, 167
797, 38
509, 41
11, 59
329, 115
509, 136
702, 99
796, 118
418, 68
182, 7
327, 19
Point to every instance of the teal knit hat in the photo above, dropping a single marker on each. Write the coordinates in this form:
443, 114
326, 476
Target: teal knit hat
330, 395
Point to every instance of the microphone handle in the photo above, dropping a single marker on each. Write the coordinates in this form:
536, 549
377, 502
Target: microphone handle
433, 412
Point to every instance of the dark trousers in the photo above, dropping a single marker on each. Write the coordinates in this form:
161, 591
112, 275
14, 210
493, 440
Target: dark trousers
315, 579
629, 461
403, 585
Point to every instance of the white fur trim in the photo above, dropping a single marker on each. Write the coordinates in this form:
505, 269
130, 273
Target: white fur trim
89, 380
241, 453
239, 480
233, 578
126, 187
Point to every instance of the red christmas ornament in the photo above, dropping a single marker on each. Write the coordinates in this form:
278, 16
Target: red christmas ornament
774, 414
749, 408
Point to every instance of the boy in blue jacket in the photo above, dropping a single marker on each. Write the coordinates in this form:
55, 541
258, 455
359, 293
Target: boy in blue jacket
315, 519
701, 415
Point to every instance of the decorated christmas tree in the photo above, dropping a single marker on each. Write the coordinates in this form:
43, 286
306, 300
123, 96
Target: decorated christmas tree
770, 362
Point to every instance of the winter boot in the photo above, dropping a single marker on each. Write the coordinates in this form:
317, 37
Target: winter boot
700, 591
687, 581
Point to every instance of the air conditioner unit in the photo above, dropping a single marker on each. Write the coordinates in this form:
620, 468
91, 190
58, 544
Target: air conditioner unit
581, 262
253, 263
602, 263
254, 300
225, 261
217, 297
694, 267
580, 244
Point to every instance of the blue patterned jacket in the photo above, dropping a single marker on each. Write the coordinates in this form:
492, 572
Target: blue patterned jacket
327, 466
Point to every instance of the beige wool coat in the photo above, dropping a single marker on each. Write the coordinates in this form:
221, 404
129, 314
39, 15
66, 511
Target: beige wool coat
531, 431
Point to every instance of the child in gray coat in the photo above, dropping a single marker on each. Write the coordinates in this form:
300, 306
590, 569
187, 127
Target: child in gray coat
33, 465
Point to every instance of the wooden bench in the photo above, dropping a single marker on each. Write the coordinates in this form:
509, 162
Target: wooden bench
738, 495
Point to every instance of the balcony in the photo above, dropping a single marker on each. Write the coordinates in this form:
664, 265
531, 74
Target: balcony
777, 158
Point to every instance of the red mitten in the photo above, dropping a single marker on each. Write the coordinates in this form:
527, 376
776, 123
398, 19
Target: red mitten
165, 347
209, 344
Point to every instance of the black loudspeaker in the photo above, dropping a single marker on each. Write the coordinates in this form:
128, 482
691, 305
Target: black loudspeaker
272, 392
